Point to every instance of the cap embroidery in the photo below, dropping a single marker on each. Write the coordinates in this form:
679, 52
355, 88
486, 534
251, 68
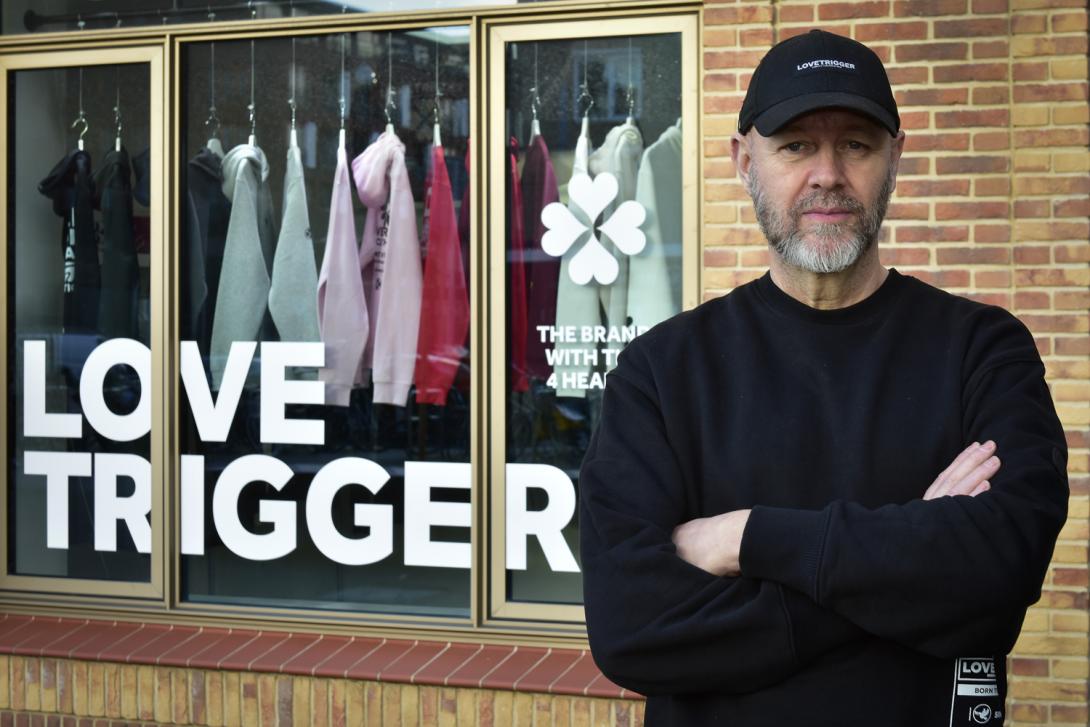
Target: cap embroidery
825, 63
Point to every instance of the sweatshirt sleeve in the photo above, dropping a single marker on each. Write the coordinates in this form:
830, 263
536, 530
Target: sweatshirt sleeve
947, 576
657, 624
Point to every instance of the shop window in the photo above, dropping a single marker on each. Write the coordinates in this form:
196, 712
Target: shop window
324, 318
589, 140
81, 221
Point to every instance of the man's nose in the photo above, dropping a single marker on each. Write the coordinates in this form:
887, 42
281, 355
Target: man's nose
827, 171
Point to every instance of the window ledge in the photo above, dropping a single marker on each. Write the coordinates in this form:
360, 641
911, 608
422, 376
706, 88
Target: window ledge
487, 666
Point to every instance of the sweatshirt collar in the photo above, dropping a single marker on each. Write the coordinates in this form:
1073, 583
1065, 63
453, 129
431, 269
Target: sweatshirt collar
859, 312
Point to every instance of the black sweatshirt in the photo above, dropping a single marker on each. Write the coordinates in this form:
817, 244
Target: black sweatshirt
70, 185
859, 603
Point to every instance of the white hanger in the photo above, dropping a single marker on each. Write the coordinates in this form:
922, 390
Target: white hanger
535, 103
389, 83
436, 137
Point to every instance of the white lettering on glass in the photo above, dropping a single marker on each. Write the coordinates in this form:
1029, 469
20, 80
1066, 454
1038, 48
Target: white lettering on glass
280, 514
116, 352
213, 418
422, 513
340, 473
277, 392
546, 525
111, 508
37, 422
57, 467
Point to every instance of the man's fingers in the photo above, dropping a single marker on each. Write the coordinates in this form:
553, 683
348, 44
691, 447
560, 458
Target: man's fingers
980, 474
981, 488
962, 467
940, 481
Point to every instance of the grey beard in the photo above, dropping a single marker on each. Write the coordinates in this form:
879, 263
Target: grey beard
782, 231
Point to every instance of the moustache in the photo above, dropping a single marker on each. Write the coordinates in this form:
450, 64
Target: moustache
825, 200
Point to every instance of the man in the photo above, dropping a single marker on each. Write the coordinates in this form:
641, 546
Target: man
793, 511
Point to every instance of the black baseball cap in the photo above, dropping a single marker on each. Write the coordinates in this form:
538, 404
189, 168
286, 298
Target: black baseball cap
817, 70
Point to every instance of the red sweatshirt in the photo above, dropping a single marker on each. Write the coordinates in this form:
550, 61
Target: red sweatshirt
444, 312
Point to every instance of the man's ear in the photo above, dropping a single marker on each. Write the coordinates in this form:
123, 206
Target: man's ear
740, 153
897, 148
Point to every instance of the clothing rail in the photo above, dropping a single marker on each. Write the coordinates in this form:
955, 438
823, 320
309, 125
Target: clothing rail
34, 20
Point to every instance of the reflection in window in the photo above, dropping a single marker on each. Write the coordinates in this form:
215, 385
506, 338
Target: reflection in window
594, 259
324, 322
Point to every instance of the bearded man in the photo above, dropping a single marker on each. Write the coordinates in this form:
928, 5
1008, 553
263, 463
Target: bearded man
793, 511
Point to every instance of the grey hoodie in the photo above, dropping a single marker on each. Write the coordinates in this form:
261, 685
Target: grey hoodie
293, 291
244, 279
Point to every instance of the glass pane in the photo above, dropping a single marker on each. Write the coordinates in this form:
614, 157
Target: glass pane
50, 16
78, 272
343, 484
594, 259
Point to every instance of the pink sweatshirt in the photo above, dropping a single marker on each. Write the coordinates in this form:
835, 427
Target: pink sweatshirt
342, 307
390, 261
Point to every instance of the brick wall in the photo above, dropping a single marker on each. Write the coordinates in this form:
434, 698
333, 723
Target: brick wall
992, 202
41, 691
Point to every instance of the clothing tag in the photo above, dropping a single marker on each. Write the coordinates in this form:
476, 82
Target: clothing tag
977, 698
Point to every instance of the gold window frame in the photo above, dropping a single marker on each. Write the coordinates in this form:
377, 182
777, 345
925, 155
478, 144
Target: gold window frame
502, 611
154, 56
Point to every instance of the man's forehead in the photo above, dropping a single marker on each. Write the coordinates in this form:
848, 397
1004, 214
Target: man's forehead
831, 119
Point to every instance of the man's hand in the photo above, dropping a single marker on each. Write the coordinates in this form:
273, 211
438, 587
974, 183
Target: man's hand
712, 543
968, 474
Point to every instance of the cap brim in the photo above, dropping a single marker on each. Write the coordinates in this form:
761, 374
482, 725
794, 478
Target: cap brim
776, 117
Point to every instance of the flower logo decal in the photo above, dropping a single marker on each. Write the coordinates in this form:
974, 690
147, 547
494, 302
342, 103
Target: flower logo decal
564, 228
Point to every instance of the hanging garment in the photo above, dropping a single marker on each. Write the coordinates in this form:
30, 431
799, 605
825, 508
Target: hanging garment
294, 285
206, 233
539, 188
620, 156
120, 275
444, 310
342, 307
71, 187
516, 272
243, 294
390, 261
654, 274
141, 168
576, 305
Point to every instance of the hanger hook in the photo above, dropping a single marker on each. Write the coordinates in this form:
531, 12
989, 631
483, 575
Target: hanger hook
213, 121
535, 101
584, 95
82, 122
390, 105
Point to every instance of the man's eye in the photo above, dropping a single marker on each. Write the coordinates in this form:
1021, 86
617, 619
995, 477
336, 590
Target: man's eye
794, 147
855, 146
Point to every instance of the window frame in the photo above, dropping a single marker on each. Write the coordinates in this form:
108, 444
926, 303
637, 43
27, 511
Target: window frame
154, 55
500, 608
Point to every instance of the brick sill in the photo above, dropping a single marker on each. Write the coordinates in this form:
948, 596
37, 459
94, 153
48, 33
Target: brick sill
486, 666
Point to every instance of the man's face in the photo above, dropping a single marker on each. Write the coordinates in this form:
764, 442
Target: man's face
821, 186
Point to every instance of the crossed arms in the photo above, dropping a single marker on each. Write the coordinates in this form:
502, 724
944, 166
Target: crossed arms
713, 544
743, 600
